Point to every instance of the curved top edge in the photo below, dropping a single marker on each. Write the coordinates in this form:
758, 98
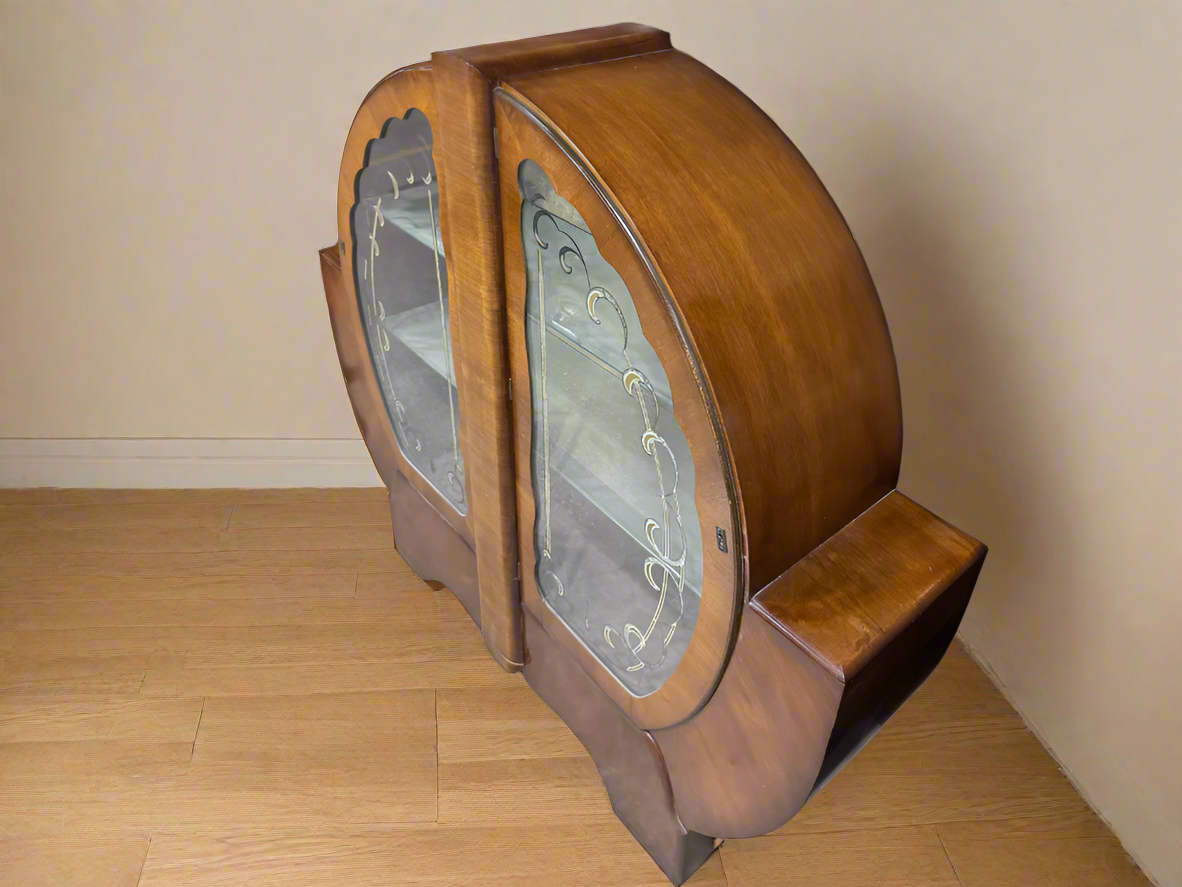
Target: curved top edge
414, 66
424, 66
767, 277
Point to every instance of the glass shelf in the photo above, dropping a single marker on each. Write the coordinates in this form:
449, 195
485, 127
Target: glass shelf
419, 330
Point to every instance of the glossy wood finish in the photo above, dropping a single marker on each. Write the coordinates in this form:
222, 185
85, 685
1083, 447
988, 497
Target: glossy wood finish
524, 136
777, 303
411, 87
749, 760
472, 235
897, 580
852, 596
295, 775
875, 692
496, 61
463, 85
836, 595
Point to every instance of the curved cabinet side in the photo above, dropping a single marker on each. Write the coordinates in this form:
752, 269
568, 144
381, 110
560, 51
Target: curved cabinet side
745, 763
431, 548
628, 760
826, 655
776, 299
356, 368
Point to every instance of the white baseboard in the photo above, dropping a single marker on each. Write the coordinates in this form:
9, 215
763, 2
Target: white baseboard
138, 463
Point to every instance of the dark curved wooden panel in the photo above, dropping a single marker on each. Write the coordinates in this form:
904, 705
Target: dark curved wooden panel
749, 760
431, 547
627, 758
826, 654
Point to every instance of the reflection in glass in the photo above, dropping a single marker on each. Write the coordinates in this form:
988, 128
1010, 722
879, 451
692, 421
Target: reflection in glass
617, 539
401, 278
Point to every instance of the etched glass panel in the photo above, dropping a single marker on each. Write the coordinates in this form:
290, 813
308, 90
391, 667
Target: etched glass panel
617, 539
401, 276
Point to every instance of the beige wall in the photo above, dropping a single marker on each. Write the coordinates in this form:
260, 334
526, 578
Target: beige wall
1011, 171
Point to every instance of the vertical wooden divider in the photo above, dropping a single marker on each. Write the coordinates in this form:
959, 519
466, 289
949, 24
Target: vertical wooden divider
472, 237
471, 225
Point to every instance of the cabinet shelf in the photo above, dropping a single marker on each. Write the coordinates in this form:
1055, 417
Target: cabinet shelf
596, 450
425, 333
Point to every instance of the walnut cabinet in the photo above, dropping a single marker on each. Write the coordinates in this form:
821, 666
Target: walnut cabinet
622, 367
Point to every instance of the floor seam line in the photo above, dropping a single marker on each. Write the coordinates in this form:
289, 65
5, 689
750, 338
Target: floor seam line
144, 864
948, 856
840, 830
722, 864
435, 694
193, 750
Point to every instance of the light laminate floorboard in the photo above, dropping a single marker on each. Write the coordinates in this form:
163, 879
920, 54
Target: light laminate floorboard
221, 688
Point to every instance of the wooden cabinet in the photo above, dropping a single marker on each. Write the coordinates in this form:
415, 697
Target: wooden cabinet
620, 363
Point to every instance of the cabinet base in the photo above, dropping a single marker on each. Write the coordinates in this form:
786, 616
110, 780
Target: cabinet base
629, 761
431, 548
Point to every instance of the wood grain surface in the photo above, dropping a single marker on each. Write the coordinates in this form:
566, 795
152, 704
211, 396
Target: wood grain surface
853, 595
261, 722
476, 302
778, 305
471, 224
498, 60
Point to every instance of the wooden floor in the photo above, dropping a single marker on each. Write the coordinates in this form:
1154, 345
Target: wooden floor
240, 688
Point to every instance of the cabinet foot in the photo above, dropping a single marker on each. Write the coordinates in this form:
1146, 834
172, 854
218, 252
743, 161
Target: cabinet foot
629, 761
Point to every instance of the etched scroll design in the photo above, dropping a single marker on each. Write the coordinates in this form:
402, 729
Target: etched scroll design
664, 566
409, 165
369, 273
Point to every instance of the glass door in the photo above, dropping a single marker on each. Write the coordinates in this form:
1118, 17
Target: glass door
401, 285
616, 534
